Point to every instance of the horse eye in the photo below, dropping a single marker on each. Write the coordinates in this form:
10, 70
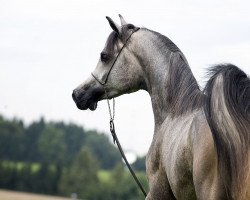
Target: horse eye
104, 57
131, 26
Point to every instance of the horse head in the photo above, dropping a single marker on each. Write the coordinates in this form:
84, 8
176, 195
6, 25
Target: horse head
118, 70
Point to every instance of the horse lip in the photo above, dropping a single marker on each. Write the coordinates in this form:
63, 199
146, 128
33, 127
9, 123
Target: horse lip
84, 105
81, 106
93, 106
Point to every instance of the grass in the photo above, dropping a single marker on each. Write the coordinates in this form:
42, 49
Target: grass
104, 175
12, 195
21, 165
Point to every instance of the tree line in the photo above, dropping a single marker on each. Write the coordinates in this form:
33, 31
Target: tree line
60, 159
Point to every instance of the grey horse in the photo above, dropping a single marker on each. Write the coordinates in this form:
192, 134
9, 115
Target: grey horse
201, 143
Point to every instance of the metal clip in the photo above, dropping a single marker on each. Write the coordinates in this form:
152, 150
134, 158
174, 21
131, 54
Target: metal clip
112, 129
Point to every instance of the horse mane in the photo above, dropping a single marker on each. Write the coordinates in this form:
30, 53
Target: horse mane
165, 41
227, 109
183, 92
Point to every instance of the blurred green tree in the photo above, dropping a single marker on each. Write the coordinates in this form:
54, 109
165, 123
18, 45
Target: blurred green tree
105, 152
59, 158
81, 177
122, 186
11, 139
32, 135
52, 146
74, 137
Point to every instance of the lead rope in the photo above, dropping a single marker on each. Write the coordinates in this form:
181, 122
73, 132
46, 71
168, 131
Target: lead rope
115, 140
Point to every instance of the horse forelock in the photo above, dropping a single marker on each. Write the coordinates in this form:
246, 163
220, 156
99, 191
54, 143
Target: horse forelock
111, 42
114, 37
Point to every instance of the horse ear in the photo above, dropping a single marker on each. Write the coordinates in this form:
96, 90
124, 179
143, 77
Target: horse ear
113, 25
123, 22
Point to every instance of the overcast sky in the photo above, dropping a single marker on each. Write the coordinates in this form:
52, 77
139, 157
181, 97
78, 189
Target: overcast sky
48, 47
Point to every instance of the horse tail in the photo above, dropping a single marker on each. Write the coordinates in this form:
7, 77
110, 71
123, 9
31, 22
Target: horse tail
227, 109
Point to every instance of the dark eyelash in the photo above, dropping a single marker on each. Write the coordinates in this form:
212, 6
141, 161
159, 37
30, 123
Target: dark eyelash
104, 57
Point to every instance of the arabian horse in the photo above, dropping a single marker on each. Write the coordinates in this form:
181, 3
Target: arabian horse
201, 142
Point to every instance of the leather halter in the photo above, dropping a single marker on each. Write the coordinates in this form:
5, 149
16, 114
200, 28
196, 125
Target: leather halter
112, 125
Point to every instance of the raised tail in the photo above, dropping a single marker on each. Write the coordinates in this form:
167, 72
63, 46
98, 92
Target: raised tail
227, 109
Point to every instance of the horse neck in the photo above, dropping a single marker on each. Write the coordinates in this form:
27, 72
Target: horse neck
169, 80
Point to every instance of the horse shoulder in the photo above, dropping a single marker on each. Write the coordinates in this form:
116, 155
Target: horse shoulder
177, 154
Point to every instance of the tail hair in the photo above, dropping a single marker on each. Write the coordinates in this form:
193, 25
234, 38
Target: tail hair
227, 109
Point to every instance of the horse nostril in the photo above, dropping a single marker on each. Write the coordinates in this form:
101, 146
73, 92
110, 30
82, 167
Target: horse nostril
74, 95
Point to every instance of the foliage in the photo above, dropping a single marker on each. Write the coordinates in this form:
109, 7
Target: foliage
81, 176
24, 178
53, 142
139, 164
60, 159
11, 135
74, 138
52, 146
106, 154
122, 186
32, 135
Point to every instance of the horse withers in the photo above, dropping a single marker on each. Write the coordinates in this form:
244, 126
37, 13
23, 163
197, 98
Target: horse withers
201, 143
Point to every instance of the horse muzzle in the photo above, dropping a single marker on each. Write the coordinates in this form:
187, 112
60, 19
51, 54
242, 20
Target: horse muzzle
87, 99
